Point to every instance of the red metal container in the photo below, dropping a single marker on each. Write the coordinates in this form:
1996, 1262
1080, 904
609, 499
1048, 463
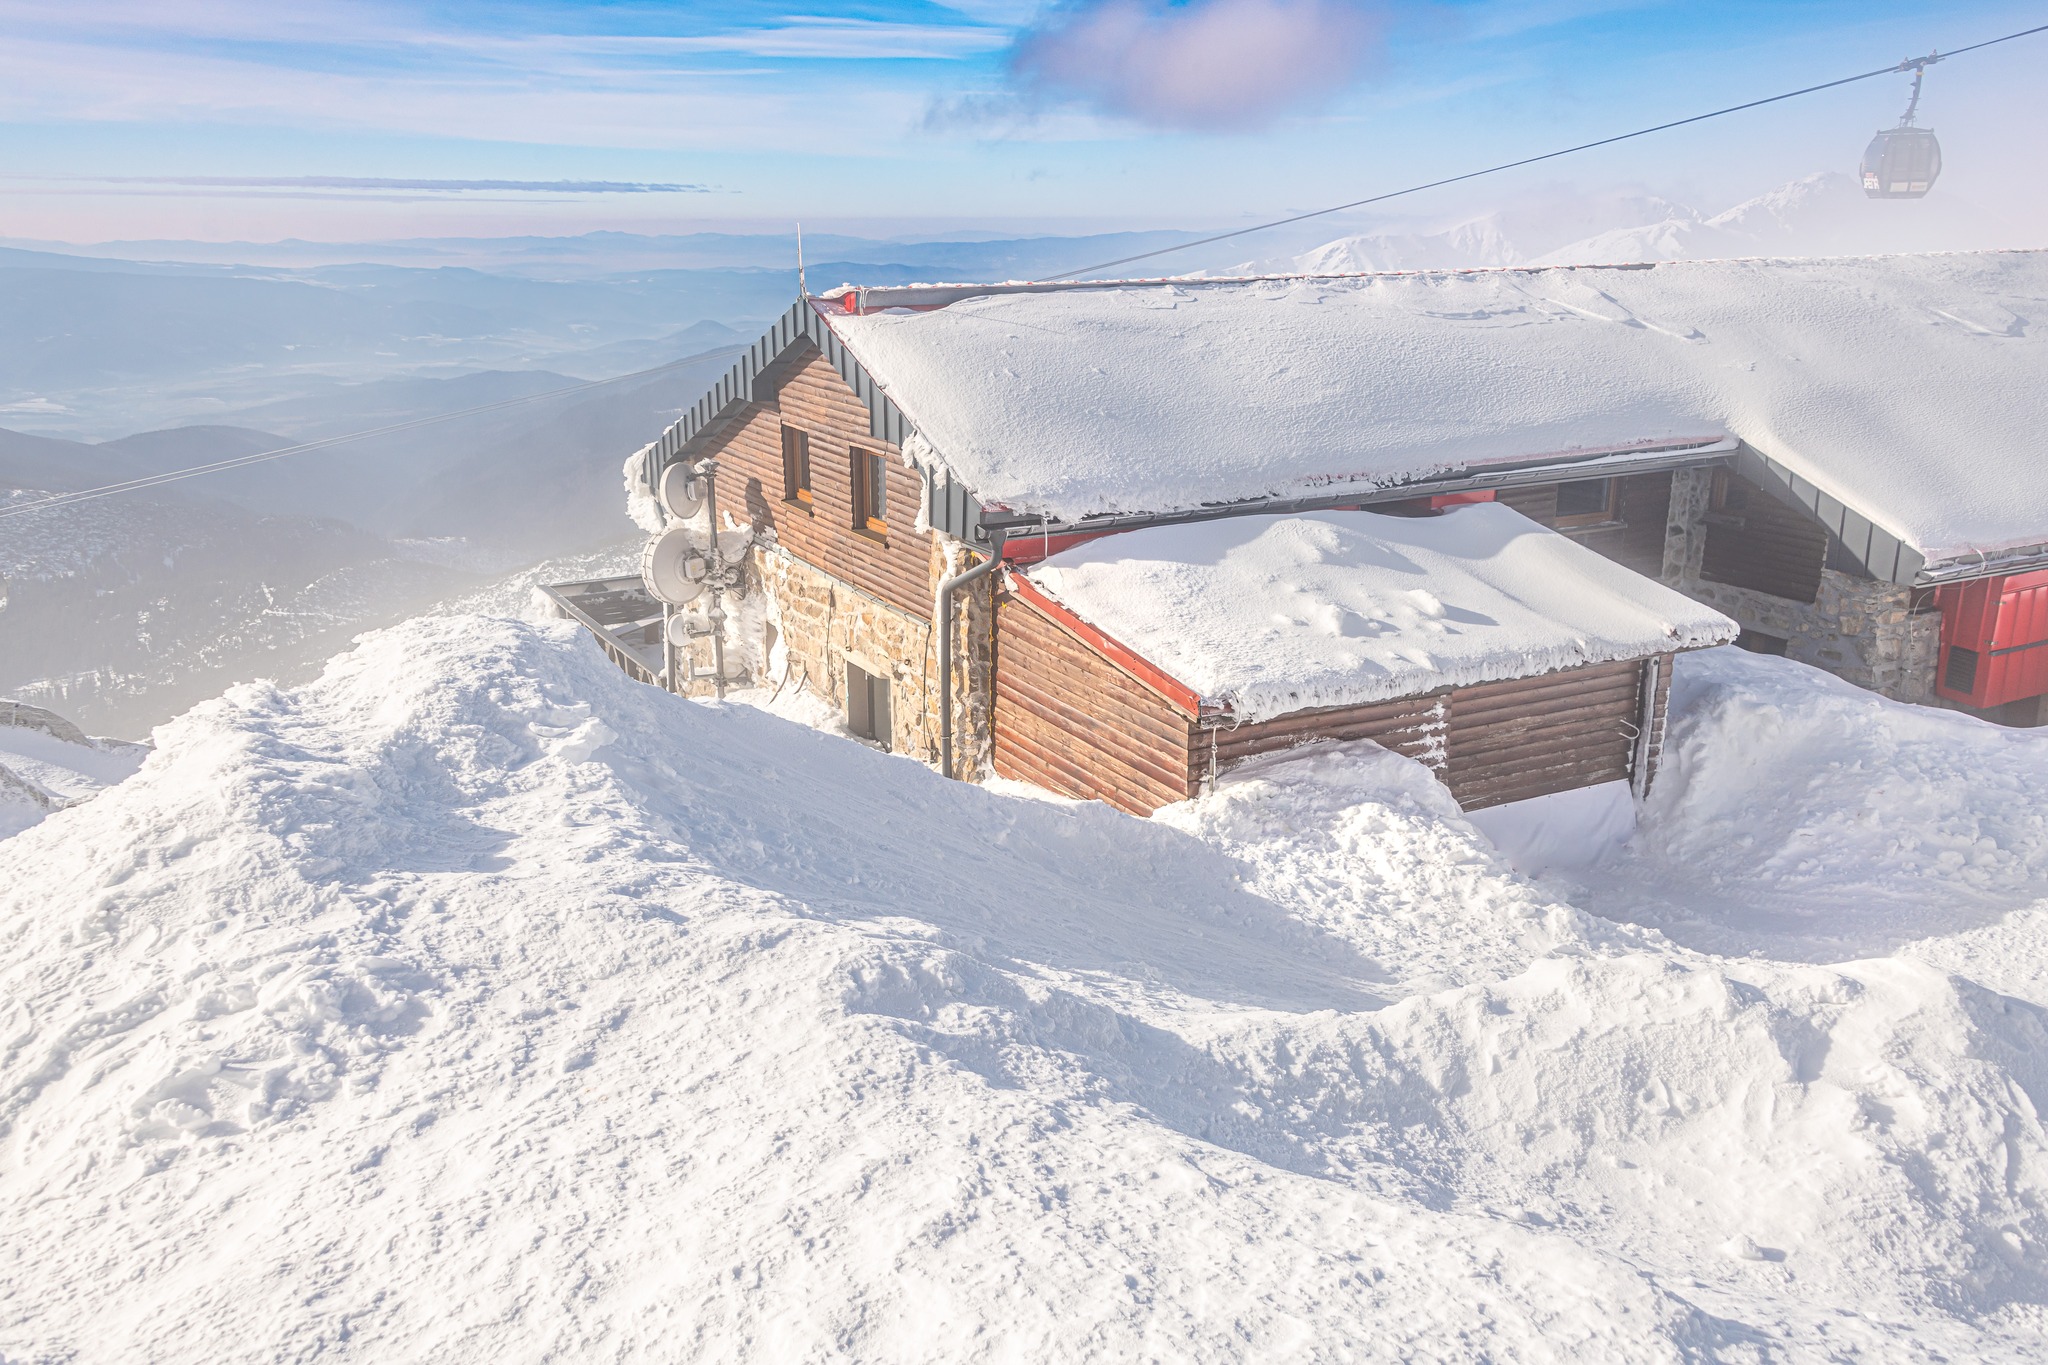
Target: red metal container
1994, 639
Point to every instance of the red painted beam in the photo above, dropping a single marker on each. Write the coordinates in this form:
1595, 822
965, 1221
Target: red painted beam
1118, 653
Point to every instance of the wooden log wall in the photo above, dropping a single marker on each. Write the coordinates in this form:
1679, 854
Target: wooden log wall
1411, 726
1634, 538
1068, 720
1755, 541
1509, 741
1490, 743
805, 391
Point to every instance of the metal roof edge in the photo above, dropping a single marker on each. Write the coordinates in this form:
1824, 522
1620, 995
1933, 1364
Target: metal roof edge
1888, 557
856, 299
1986, 564
1646, 459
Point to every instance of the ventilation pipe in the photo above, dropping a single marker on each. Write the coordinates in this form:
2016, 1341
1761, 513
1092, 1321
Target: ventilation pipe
942, 610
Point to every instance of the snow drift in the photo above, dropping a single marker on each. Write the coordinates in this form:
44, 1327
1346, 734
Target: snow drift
473, 1002
48, 764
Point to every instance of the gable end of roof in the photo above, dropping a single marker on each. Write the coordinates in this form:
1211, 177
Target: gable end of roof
949, 506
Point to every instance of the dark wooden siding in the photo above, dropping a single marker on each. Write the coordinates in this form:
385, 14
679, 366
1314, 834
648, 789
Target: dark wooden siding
1490, 743
1645, 513
1755, 541
805, 391
1411, 726
1509, 741
1636, 535
1536, 501
1070, 721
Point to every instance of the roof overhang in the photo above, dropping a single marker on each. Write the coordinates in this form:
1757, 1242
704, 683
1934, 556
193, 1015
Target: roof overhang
953, 508
1883, 555
1647, 458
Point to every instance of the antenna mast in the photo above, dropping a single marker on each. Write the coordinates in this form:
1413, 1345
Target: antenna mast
802, 290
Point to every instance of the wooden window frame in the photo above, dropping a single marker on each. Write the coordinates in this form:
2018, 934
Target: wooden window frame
796, 465
868, 472
1610, 515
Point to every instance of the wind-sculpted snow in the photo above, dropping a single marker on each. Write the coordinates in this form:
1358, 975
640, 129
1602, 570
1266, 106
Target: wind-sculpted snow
476, 1003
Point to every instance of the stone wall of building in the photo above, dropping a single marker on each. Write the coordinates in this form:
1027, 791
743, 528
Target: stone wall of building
1858, 629
810, 625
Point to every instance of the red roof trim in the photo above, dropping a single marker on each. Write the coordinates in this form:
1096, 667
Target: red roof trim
1150, 674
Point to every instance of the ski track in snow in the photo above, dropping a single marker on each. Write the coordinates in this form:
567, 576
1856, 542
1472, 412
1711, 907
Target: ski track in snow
474, 1002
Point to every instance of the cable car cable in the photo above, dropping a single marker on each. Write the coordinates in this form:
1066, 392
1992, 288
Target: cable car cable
241, 461
1910, 64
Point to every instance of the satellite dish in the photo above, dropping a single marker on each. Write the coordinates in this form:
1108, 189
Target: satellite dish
682, 491
684, 629
674, 568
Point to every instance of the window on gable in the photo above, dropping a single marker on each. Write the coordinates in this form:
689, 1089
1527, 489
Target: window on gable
870, 492
796, 464
1587, 502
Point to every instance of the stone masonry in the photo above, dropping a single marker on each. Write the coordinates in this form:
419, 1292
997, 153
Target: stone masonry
1863, 631
811, 625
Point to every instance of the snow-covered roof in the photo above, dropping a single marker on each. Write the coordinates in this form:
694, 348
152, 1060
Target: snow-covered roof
1273, 614
1912, 388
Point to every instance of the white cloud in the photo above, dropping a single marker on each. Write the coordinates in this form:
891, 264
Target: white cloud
1203, 64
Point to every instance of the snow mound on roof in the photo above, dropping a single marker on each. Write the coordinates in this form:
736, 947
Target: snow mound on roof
475, 1003
1278, 614
1854, 373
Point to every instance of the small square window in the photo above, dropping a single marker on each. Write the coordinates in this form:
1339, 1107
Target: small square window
870, 492
1585, 502
868, 713
796, 464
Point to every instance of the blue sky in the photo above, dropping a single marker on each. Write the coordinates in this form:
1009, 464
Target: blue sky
240, 119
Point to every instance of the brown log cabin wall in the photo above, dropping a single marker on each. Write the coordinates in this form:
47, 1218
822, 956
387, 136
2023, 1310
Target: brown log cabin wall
806, 392
1509, 741
1755, 541
1636, 535
1068, 720
1490, 743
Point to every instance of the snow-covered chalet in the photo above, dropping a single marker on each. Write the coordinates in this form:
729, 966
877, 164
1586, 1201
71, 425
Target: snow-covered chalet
1113, 538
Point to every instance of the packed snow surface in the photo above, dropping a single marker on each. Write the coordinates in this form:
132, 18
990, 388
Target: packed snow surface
1908, 387
475, 1003
47, 764
1275, 614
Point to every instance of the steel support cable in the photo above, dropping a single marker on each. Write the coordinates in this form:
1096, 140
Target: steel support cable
259, 457
1915, 64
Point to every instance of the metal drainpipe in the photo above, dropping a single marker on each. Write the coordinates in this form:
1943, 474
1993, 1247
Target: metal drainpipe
708, 471
942, 608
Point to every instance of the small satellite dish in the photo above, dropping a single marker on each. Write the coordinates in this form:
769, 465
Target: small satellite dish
687, 628
673, 567
682, 491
